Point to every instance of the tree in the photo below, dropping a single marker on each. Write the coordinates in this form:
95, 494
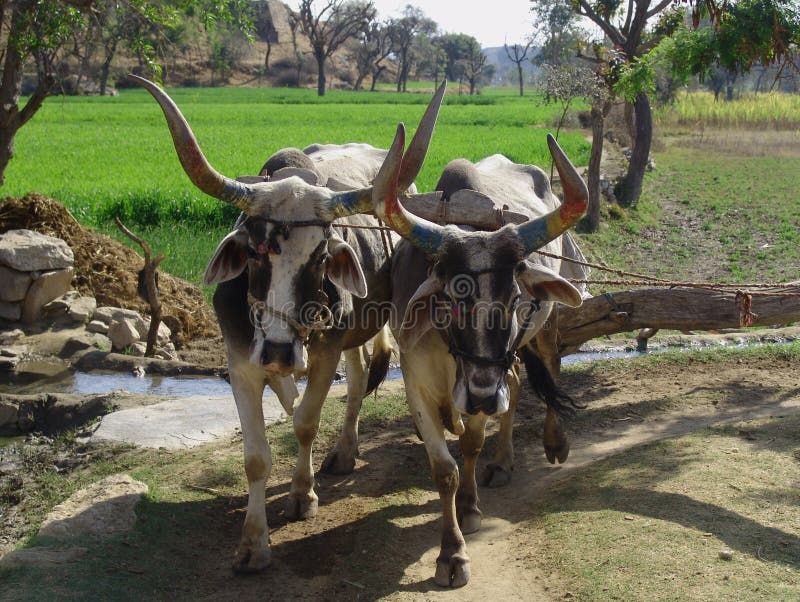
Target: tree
335, 23
555, 31
748, 31
264, 27
456, 47
373, 47
37, 31
474, 65
517, 53
404, 32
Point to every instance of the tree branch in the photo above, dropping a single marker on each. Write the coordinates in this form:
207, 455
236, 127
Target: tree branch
607, 28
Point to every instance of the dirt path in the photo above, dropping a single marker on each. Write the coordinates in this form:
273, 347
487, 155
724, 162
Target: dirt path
376, 535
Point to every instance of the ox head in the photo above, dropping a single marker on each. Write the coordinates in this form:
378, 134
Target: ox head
284, 239
475, 287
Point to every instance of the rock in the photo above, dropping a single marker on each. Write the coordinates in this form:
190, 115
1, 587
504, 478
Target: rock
42, 556
10, 336
104, 508
15, 284
138, 349
62, 303
85, 341
82, 308
8, 415
164, 332
97, 326
43, 290
726, 554
109, 314
25, 418
9, 364
123, 333
28, 251
10, 311
165, 354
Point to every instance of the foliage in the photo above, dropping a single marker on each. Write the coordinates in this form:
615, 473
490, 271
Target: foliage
407, 33
555, 31
773, 110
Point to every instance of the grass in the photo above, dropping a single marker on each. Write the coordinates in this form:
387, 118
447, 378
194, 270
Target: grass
699, 109
114, 156
655, 535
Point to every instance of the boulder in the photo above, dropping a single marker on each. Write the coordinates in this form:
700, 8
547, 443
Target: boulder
10, 311
138, 349
15, 284
85, 341
82, 308
7, 337
8, 415
97, 326
111, 314
164, 332
123, 333
60, 305
102, 509
44, 289
28, 251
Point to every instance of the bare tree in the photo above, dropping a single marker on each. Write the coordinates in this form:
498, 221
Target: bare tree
372, 48
517, 53
331, 26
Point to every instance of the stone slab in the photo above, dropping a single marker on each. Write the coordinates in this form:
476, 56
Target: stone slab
44, 289
15, 284
29, 251
82, 308
180, 423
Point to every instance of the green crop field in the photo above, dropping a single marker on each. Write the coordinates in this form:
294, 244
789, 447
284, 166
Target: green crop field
105, 157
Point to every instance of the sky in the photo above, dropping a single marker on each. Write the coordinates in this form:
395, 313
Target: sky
491, 22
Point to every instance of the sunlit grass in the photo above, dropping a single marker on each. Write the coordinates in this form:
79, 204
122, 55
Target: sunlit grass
774, 110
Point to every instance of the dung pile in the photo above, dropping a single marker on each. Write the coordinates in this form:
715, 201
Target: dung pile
106, 269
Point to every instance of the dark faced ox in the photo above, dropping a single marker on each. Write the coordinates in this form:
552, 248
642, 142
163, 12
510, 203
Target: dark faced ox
293, 294
464, 301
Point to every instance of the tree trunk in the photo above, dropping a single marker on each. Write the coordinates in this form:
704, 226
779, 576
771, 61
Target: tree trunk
593, 212
320, 75
266, 56
677, 309
519, 71
104, 69
630, 187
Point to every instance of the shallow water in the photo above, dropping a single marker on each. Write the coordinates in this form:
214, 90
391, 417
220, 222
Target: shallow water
56, 377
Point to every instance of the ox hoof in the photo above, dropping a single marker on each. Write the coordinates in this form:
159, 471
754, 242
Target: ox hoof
453, 571
557, 452
495, 475
301, 507
248, 560
470, 522
339, 462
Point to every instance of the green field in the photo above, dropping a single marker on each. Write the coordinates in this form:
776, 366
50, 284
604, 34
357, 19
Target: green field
104, 156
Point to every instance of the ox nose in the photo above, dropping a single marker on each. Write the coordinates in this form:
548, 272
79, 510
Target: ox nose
277, 357
477, 403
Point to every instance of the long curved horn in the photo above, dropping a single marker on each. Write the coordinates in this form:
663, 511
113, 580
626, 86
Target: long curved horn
423, 234
418, 148
536, 233
360, 201
194, 163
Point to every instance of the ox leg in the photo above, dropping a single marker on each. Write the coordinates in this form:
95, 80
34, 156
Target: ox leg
471, 442
303, 502
498, 472
556, 444
342, 458
452, 565
253, 553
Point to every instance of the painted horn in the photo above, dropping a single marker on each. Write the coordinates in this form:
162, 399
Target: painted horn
536, 233
360, 201
424, 235
194, 163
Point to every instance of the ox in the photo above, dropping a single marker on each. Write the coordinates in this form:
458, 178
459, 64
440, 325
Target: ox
293, 294
464, 302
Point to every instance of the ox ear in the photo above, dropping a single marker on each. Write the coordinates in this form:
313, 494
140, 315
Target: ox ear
229, 260
544, 284
417, 318
343, 268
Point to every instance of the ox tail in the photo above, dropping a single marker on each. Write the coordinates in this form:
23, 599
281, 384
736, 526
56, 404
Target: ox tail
542, 383
379, 362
